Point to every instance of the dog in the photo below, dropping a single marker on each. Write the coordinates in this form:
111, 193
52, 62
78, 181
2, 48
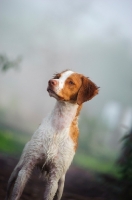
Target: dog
53, 145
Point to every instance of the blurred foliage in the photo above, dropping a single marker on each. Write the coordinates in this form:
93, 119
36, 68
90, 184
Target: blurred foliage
126, 157
125, 163
6, 64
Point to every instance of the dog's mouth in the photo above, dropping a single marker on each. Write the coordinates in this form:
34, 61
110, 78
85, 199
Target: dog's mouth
50, 90
52, 93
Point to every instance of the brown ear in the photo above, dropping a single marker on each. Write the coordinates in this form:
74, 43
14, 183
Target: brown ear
87, 91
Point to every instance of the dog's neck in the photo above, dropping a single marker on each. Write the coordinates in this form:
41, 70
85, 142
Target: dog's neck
63, 114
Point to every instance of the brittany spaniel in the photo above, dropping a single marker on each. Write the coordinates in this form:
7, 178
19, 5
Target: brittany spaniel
53, 145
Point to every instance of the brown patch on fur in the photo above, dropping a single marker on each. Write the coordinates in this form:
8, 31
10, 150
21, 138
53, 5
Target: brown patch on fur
87, 91
78, 89
74, 131
56, 75
71, 88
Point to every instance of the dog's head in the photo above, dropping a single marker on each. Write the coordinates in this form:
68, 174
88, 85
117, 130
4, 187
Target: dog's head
72, 87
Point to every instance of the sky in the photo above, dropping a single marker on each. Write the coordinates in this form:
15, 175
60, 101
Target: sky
92, 37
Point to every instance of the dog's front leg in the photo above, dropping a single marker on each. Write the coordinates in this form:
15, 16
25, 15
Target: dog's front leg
12, 181
60, 188
52, 185
51, 189
21, 180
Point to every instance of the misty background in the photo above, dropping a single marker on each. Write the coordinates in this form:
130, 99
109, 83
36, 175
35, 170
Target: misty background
92, 37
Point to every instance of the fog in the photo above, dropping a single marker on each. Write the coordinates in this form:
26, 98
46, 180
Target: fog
90, 37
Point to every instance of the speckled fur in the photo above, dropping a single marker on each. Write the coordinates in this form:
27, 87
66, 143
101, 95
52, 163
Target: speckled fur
53, 145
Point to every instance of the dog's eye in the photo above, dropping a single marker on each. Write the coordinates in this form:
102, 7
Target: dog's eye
71, 82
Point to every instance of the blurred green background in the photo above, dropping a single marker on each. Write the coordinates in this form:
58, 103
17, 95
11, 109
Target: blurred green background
39, 38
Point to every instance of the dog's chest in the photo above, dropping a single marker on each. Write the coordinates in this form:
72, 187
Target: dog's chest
55, 141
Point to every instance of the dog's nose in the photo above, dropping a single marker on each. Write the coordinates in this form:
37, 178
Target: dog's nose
52, 82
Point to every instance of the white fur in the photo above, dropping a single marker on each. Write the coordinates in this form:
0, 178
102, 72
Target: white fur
52, 146
54, 134
62, 79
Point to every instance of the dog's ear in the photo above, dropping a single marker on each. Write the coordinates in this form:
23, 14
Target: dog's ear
87, 90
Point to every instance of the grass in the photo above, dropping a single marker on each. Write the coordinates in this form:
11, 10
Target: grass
97, 164
11, 142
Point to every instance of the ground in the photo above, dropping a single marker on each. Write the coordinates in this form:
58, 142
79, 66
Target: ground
80, 184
